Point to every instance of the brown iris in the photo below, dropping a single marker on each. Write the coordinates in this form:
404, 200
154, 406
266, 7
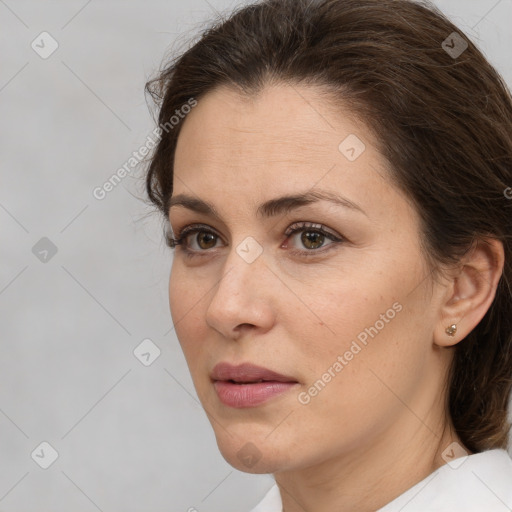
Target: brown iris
312, 237
208, 238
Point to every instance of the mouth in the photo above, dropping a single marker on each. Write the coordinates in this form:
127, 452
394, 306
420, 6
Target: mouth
247, 373
248, 385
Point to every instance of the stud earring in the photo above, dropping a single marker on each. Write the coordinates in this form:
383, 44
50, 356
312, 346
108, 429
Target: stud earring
451, 330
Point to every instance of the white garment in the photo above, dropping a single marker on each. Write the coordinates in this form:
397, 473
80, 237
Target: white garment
481, 483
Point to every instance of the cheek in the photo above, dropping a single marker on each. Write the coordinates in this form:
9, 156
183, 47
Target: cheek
362, 329
187, 313
350, 374
343, 312
376, 343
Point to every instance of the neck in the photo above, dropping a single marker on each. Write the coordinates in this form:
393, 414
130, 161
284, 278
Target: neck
368, 477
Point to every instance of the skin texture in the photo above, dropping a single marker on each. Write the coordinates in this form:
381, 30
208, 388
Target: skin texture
380, 425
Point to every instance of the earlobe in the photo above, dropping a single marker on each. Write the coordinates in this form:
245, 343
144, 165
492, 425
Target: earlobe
470, 292
451, 330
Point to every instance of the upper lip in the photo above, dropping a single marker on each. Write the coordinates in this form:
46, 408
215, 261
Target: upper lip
246, 372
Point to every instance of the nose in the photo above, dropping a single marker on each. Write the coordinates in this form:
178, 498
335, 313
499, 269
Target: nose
242, 299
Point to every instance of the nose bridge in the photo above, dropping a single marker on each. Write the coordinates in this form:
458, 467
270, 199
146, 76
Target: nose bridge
237, 297
243, 265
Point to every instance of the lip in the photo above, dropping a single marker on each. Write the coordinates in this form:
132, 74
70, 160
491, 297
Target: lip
248, 385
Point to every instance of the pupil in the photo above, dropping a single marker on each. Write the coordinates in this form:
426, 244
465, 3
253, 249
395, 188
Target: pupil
205, 236
310, 237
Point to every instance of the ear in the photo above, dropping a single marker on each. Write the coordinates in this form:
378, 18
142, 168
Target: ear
470, 291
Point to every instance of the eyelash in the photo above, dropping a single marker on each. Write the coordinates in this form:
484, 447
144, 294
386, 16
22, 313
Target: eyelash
294, 228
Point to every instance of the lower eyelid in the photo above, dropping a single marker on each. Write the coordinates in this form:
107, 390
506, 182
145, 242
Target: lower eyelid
335, 240
320, 250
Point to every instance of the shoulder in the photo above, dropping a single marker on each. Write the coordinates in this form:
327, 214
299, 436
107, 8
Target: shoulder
482, 481
271, 502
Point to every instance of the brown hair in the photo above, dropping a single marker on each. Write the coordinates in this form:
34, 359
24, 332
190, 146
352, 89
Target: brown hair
443, 121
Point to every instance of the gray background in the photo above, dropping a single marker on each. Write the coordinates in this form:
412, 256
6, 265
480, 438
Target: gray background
129, 436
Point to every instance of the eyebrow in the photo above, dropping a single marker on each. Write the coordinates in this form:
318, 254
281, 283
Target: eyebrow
270, 208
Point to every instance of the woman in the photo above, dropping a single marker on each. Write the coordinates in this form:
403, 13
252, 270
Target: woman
336, 175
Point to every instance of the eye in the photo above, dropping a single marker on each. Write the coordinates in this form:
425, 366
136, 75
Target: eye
312, 237
197, 239
204, 237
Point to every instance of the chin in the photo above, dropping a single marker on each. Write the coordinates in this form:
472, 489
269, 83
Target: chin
248, 458
250, 450
246, 437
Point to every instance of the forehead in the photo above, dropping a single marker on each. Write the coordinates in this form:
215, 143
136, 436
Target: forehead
288, 125
285, 139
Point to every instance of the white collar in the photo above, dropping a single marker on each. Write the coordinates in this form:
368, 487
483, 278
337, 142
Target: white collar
481, 482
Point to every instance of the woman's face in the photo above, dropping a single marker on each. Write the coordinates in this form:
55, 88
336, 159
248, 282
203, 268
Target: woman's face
347, 316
